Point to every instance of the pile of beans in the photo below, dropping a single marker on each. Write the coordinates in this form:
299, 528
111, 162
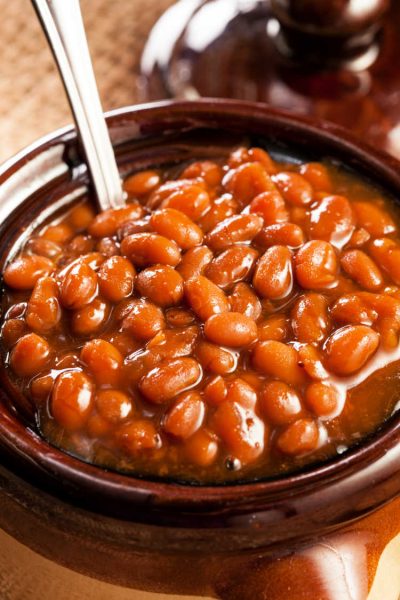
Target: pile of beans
216, 326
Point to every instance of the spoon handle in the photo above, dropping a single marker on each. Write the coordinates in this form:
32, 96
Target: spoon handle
63, 26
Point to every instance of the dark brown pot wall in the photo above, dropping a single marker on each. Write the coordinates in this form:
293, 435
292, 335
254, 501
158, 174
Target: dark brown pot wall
114, 552
117, 552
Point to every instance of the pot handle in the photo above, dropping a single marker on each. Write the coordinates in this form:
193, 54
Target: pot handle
333, 568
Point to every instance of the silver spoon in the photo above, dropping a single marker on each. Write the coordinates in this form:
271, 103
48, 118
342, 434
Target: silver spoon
62, 24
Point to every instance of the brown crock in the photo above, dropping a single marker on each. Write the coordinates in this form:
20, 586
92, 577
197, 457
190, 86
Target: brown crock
247, 541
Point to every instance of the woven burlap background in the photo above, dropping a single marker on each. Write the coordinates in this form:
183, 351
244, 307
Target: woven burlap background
32, 100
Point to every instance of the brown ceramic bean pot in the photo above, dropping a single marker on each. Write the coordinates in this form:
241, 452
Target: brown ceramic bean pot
318, 534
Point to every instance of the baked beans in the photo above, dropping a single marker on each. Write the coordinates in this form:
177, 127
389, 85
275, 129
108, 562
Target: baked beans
223, 324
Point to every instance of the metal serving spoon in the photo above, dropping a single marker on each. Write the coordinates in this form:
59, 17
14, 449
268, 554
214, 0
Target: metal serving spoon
62, 24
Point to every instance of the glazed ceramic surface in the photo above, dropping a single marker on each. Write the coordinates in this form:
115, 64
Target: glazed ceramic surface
331, 60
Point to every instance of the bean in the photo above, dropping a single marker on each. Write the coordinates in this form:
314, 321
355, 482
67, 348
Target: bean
98, 427
318, 176
234, 230
244, 300
80, 244
43, 311
30, 355
42, 247
273, 277
322, 398
319, 196
175, 225
216, 391
60, 234
299, 438
108, 247
240, 392
205, 298
294, 188
179, 317
300, 215
138, 364
23, 272
78, 286
186, 416
11, 331
116, 278
72, 400
168, 188
333, 221
231, 266
81, 216
207, 170
124, 342
144, 320
278, 360
348, 349
241, 431
40, 388
107, 222
389, 335
247, 181
148, 248
387, 254
171, 343
130, 227
169, 379
359, 238
193, 201
275, 328
386, 306
138, 436
142, 183
231, 329
255, 380
310, 320
161, 284
103, 361
316, 265
123, 308
362, 269
280, 403
372, 218
215, 359
271, 207
70, 360
93, 260
220, 209
113, 405
352, 309
201, 449
194, 262
281, 234
310, 360
186, 195
90, 318
244, 155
